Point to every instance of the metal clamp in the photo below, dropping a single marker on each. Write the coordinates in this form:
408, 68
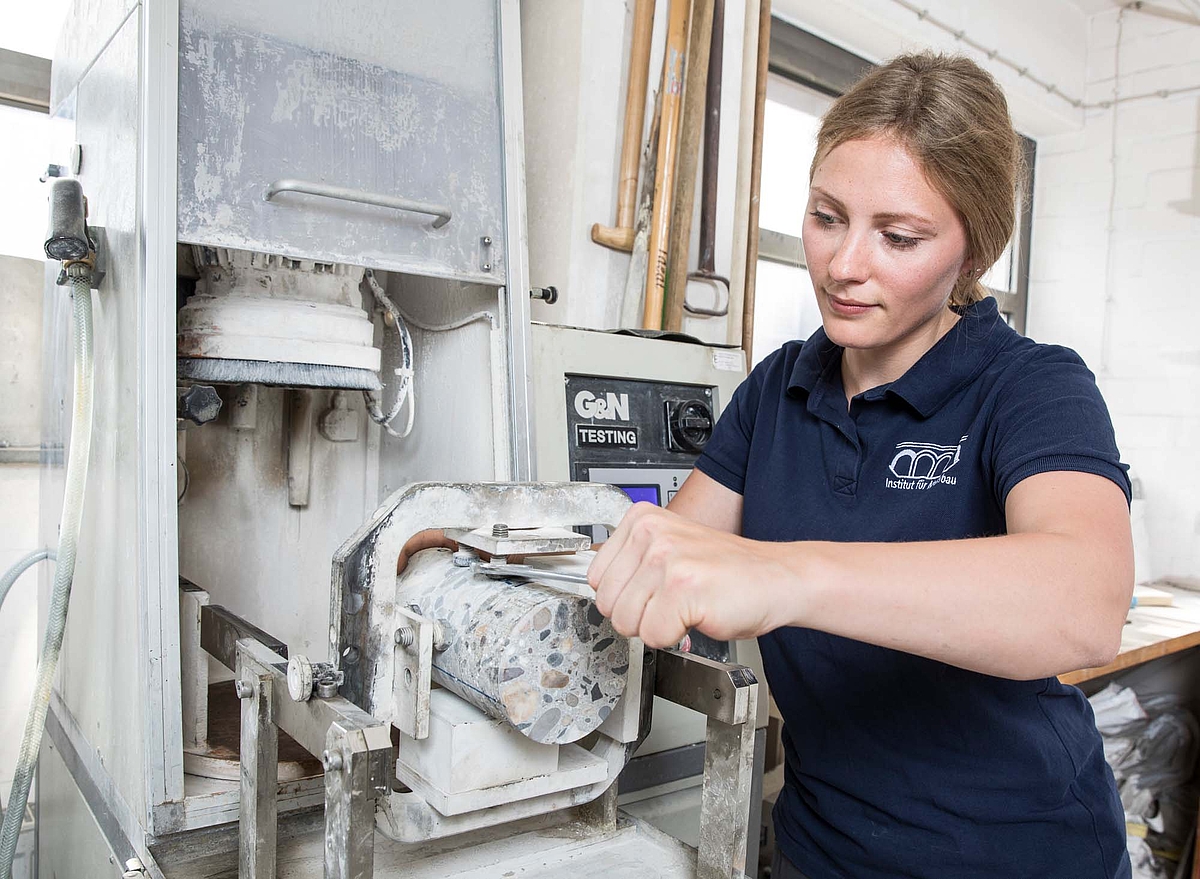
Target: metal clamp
355, 747
413, 672
343, 193
728, 696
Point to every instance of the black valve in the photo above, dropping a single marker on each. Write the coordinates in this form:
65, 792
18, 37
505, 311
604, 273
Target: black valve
689, 425
199, 404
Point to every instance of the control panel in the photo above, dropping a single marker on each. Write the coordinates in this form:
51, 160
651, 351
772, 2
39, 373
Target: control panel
642, 436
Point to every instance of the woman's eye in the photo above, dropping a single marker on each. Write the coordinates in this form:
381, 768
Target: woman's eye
823, 218
901, 242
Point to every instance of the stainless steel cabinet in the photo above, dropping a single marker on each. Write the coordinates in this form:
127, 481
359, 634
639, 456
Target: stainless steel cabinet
345, 132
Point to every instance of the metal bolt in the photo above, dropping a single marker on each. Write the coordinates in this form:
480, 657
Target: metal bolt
487, 266
243, 690
716, 694
500, 530
405, 636
487, 240
327, 689
331, 761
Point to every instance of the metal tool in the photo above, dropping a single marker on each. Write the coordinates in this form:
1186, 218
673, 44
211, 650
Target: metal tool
529, 572
706, 270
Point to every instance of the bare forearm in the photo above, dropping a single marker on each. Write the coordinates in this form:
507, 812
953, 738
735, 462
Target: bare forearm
1019, 606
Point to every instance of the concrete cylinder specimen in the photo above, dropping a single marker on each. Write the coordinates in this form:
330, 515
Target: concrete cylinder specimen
545, 661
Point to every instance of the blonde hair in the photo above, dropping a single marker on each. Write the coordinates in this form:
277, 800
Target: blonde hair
950, 114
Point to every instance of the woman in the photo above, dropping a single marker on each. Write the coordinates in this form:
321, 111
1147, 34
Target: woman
920, 514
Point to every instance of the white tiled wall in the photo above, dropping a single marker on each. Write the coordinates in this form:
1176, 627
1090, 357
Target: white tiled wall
1144, 275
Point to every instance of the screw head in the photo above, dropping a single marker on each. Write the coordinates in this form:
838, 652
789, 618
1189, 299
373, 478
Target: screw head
716, 694
331, 761
487, 240
243, 690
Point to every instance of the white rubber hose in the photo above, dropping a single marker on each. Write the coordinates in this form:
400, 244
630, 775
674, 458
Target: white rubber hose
68, 535
13, 574
10, 578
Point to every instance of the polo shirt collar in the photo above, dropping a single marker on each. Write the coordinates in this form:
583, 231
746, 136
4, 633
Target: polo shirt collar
955, 359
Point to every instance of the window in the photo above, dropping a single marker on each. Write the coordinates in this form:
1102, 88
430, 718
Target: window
806, 75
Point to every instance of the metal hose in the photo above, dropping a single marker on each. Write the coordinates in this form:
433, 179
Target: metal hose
72, 513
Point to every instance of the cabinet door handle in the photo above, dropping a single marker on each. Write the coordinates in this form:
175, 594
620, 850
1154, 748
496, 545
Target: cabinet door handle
441, 212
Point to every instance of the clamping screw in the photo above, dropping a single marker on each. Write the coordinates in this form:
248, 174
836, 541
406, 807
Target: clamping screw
405, 636
331, 761
243, 690
716, 694
499, 530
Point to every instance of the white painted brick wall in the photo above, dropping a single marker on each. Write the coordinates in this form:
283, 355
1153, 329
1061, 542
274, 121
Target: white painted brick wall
1149, 369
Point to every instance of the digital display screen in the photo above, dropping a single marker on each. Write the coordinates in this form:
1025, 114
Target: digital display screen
638, 493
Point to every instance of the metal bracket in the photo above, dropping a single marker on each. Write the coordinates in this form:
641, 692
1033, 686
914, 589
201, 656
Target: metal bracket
728, 696
501, 540
356, 751
97, 258
413, 672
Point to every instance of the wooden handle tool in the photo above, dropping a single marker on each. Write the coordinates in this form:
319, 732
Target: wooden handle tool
690, 134
620, 237
668, 141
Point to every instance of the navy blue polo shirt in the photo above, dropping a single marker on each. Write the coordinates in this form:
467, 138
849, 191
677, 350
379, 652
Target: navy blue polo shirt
897, 765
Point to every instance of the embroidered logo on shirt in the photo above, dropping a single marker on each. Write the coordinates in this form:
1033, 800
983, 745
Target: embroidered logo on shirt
917, 466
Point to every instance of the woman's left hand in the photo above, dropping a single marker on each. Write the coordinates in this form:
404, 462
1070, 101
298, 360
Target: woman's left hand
660, 574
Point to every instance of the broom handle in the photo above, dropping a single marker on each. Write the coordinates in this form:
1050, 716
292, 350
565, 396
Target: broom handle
660, 220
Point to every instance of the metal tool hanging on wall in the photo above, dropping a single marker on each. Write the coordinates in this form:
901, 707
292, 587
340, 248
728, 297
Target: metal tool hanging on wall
706, 268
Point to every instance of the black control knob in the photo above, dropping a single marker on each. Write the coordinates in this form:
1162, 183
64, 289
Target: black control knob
199, 404
689, 425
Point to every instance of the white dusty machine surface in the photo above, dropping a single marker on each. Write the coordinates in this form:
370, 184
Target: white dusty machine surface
312, 341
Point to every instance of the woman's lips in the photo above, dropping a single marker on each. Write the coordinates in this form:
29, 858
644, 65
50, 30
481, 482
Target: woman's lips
849, 307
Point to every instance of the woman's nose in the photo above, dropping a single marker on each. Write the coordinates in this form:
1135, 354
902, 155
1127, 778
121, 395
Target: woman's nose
849, 261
